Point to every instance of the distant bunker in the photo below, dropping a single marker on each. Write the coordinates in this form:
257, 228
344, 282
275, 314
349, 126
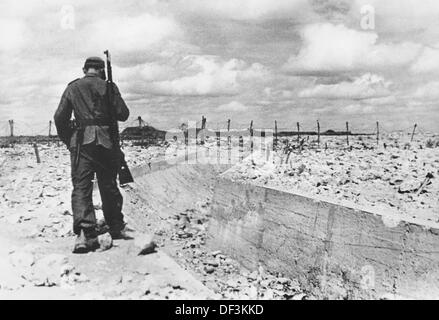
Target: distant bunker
334, 251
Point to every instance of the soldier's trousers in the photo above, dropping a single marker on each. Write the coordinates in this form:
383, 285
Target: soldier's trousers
103, 162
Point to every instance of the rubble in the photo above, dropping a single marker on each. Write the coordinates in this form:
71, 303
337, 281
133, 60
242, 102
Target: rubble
409, 186
220, 272
145, 243
371, 178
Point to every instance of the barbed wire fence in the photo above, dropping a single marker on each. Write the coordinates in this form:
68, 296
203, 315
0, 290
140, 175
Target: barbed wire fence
22, 128
314, 133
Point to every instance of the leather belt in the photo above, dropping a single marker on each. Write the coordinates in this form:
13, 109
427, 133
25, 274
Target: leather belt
93, 122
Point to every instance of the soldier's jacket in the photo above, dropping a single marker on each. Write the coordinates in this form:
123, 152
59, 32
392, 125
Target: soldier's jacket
86, 98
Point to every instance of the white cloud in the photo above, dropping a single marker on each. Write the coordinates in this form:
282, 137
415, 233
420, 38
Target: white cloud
382, 101
429, 91
365, 87
13, 34
207, 76
329, 49
246, 9
427, 62
128, 34
152, 71
353, 109
233, 106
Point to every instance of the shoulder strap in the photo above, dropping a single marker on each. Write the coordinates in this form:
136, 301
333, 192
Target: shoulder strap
74, 81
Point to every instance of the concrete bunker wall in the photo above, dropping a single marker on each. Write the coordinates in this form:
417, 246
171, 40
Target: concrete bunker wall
333, 250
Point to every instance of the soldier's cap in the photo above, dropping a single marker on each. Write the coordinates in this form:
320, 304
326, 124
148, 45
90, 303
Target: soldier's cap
95, 63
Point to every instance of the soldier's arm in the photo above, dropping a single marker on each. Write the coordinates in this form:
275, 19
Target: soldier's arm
122, 110
62, 118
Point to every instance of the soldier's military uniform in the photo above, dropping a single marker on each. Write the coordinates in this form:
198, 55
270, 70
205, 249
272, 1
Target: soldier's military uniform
86, 99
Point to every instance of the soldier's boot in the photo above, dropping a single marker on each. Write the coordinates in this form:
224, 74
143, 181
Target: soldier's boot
123, 233
86, 242
102, 227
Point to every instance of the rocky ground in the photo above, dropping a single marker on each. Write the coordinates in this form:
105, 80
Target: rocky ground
36, 242
388, 177
185, 239
36, 219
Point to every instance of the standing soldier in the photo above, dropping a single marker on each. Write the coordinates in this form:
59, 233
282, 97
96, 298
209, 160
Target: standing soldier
88, 138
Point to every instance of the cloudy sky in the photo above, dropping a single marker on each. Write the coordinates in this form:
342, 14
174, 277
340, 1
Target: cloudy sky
175, 60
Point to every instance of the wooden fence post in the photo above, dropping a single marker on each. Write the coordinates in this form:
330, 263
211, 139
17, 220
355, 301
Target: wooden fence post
186, 144
298, 132
37, 153
140, 130
251, 137
413, 133
229, 142
241, 148
218, 146
378, 133
318, 133
11, 126
203, 128
347, 133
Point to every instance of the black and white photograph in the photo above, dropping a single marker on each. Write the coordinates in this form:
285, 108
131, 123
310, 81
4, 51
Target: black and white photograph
219, 154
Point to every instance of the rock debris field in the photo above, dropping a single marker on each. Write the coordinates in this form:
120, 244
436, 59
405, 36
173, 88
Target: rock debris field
399, 176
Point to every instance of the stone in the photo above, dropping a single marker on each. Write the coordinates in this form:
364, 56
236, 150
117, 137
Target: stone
268, 295
105, 242
232, 283
408, 186
283, 280
146, 244
253, 293
265, 283
212, 262
215, 253
50, 192
253, 276
209, 269
300, 296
